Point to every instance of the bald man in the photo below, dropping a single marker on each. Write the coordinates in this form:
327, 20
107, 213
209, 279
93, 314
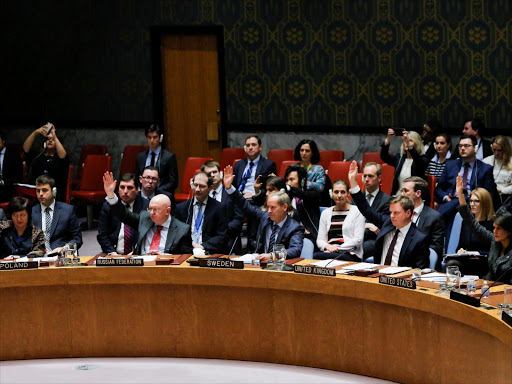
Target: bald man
159, 233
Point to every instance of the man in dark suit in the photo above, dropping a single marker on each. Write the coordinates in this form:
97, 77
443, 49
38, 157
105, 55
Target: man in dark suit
378, 200
57, 220
275, 226
113, 236
233, 215
161, 159
399, 242
427, 220
158, 232
10, 170
247, 170
475, 174
205, 215
148, 181
476, 127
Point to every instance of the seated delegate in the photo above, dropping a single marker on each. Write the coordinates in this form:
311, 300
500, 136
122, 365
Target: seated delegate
308, 154
18, 236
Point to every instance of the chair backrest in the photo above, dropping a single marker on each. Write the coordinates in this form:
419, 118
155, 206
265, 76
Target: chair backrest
284, 166
360, 181
328, 155
129, 157
388, 173
68, 184
280, 155
431, 180
191, 166
371, 156
89, 149
92, 172
229, 154
339, 170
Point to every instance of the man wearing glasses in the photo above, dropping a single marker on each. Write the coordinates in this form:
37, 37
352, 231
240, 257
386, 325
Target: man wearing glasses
474, 174
149, 183
158, 232
205, 215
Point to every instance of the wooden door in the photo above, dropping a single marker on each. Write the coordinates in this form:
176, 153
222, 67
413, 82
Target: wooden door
190, 77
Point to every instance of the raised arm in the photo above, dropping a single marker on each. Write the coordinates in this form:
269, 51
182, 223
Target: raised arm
30, 139
61, 151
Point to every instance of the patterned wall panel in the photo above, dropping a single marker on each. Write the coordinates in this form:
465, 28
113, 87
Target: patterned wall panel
293, 62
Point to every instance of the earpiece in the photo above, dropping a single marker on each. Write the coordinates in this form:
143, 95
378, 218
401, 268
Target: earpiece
191, 182
303, 183
221, 175
161, 138
44, 144
54, 192
330, 194
476, 148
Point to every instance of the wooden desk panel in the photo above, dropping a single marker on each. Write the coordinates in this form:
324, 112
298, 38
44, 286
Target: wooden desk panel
349, 324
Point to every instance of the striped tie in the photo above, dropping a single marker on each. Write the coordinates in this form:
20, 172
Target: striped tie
127, 239
272, 238
48, 222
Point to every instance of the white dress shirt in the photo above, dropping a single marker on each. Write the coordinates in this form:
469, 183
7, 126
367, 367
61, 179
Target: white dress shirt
398, 246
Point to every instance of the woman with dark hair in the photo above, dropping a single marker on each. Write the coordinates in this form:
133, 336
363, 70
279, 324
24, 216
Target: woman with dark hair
500, 253
443, 147
308, 154
18, 236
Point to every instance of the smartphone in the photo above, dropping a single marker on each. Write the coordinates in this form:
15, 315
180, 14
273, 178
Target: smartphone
264, 178
398, 131
48, 127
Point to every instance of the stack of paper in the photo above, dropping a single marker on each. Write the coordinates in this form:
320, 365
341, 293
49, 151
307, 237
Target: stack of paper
331, 263
360, 266
393, 270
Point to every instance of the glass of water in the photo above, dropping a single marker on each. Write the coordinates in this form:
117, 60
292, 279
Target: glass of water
277, 257
452, 277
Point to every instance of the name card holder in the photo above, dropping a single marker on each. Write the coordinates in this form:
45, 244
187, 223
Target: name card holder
506, 318
466, 299
11, 266
221, 263
111, 262
397, 282
312, 270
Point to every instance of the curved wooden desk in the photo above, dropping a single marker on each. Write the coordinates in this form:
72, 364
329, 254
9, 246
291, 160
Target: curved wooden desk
348, 324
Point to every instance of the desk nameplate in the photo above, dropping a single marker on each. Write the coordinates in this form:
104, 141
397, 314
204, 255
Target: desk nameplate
312, 270
397, 282
111, 262
221, 263
19, 265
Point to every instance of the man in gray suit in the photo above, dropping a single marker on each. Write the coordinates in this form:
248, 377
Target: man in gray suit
159, 233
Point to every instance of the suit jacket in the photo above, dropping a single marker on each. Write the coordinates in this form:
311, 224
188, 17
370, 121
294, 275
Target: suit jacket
431, 223
380, 204
291, 235
109, 225
214, 232
65, 226
12, 172
414, 252
418, 168
264, 167
234, 215
2, 215
481, 176
179, 239
167, 170
308, 210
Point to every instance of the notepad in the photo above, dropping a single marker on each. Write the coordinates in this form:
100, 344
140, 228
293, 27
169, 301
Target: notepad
247, 258
331, 262
393, 270
360, 266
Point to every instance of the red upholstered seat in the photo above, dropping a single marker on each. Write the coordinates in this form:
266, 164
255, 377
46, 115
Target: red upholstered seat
388, 173
87, 149
328, 155
229, 155
280, 155
339, 170
371, 156
284, 165
191, 166
129, 157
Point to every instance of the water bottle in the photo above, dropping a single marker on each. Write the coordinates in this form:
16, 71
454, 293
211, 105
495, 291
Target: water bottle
485, 290
471, 286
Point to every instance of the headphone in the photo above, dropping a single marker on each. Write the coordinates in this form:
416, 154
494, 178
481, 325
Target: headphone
330, 194
54, 192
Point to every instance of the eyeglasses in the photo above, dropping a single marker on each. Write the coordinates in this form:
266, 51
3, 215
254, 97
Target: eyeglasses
149, 178
465, 145
156, 210
474, 201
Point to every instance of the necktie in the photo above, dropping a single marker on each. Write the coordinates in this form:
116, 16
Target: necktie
246, 177
465, 177
272, 238
128, 239
369, 197
391, 248
48, 222
198, 224
1, 175
155, 242
152, 159
214, 193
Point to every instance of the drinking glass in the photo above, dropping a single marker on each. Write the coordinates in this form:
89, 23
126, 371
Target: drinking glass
277, 257
416, 274
452, 277
507, 297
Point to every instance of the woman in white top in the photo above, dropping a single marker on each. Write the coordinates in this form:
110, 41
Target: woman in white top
502, 169
341, 229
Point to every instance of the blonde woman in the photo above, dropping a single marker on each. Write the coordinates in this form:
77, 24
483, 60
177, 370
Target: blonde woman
502, 168
411, 161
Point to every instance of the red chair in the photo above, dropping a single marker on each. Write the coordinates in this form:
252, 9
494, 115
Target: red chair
91, 183
68, 184
191, 166
388, 174
229, 155
360, 181
280, 155
284, 165
129, 157
87, 149
328, 155
371, 156
432, 181
339, 170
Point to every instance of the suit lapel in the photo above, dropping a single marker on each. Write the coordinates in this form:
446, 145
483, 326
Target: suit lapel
145, 224
55, 219
407, 242
282, 230
260, 166
36, 216
171, 235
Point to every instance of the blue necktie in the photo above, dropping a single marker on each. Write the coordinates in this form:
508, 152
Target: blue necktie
246, 177
272, 238
198, 223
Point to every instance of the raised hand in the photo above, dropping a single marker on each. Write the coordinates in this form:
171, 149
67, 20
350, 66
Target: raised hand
459, 189
228, 177
352, 174
109, 184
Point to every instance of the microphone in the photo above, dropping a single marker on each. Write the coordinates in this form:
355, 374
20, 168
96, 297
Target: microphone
494, 283
231, 250
336, 258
